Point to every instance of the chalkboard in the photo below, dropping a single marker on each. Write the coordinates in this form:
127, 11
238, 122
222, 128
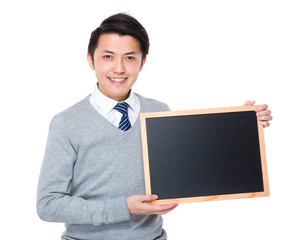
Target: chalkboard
203, 155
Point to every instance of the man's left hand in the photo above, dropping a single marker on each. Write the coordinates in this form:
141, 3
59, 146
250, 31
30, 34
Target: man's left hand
263, 113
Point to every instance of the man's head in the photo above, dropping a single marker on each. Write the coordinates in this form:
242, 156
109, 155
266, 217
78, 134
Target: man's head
117, 52
122, 24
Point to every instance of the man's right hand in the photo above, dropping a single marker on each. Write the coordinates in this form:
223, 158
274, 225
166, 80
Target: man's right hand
139, 204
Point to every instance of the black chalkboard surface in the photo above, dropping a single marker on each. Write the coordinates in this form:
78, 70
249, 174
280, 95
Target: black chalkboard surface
202, 155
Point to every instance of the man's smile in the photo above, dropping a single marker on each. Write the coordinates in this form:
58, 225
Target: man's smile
117, 79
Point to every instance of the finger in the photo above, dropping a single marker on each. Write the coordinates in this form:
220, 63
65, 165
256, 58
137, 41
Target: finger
166, 209
249, 103
265, 118
159, 209
261, 108
148, 198
265, 112
264, 123
170, 210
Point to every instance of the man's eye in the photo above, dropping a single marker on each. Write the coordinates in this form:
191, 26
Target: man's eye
130, 58
107, 56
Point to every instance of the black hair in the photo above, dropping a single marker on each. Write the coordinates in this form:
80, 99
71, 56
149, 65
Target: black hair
122, 24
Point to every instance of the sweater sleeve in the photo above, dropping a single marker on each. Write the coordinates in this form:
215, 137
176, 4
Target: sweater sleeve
54, 202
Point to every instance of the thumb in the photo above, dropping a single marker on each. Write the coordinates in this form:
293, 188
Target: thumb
149, 198
249, 103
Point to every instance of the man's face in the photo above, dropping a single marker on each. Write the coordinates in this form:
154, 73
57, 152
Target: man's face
117, 63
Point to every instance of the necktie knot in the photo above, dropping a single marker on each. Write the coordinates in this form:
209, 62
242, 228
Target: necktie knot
122, 107
124, 122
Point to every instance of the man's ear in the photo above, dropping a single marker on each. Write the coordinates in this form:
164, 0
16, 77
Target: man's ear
90, 61
142, 65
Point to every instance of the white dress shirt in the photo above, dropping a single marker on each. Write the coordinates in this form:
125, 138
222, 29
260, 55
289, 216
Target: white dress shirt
105, 107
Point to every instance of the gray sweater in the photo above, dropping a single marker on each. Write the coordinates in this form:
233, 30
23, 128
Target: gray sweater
89, 169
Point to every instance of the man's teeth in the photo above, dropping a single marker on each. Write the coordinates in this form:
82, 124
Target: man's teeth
117, 79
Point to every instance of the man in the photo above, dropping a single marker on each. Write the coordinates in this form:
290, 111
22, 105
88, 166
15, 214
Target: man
92, 174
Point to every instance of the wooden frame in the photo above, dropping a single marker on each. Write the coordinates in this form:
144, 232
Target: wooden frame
146, 160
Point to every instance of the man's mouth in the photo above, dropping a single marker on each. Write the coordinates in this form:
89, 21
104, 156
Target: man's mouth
117, 79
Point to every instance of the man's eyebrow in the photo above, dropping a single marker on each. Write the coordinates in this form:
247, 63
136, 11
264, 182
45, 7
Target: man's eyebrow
131, 53
108, 51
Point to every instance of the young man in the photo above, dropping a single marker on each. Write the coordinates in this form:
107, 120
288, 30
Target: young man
92, 174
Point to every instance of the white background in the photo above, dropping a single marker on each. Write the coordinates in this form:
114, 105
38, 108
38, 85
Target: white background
203, 54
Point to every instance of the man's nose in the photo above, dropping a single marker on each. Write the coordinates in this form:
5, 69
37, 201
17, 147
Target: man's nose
119, 66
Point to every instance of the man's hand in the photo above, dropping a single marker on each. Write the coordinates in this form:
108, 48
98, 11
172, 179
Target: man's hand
139, 204
263, 113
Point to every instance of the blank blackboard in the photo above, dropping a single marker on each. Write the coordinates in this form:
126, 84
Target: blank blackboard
202, 155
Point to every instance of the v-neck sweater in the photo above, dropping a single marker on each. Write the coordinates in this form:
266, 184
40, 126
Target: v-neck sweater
89, 169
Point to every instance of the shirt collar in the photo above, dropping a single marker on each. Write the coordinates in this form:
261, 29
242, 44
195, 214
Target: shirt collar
131, 100
107, 104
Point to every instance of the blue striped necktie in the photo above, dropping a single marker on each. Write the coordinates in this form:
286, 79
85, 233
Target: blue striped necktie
124, 122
